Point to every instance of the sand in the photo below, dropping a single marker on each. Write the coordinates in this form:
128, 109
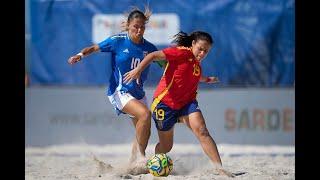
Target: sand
76, 161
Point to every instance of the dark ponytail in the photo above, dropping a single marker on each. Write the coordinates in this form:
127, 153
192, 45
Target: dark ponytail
183, 39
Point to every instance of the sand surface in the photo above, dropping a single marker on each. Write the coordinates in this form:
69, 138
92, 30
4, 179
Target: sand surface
75, 161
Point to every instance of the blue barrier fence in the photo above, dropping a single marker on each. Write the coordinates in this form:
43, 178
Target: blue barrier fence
254, 40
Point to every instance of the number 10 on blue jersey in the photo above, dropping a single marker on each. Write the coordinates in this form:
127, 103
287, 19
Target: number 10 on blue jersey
135, 62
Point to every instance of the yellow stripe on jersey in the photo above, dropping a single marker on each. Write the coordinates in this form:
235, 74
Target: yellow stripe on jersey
165, 69
158, 99
183, 47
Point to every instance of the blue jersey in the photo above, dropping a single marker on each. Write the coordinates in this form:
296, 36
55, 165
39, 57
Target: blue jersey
126, 55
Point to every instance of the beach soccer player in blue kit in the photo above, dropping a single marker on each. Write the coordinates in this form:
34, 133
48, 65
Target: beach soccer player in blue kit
128, 50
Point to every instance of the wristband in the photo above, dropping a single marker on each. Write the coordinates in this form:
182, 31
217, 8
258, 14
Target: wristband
81, 55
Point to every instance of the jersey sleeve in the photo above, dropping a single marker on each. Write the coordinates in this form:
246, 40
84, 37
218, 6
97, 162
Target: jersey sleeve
162, 63
108, 45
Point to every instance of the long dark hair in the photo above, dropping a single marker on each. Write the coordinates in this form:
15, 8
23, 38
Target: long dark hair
183, 39
136, 13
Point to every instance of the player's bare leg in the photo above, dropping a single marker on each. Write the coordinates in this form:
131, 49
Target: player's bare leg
196, 123
134, 150
165, 141
142, 122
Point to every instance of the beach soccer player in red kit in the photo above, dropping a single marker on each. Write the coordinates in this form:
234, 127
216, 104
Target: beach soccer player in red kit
175, 96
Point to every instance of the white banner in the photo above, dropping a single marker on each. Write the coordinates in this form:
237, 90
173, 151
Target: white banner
159, 30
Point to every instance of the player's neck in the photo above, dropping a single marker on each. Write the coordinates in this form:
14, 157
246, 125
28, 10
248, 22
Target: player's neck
135, 40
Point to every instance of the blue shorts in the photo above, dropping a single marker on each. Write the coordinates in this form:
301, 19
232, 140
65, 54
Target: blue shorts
165, 117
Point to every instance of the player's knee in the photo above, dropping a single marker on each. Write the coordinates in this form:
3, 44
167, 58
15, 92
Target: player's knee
203, 132
145, 115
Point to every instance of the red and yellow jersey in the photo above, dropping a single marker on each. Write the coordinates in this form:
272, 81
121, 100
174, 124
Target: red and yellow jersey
179, 83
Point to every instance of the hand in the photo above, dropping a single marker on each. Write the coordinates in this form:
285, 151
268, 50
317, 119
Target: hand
212, 80
74, 59
131, 75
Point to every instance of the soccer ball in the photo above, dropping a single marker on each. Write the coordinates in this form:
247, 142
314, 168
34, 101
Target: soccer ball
160, 165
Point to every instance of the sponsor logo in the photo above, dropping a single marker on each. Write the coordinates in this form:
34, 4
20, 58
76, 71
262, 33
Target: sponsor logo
160, 124
145, 53
259, 120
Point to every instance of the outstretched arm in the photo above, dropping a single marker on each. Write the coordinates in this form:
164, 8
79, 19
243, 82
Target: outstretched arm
84, 52
135, 73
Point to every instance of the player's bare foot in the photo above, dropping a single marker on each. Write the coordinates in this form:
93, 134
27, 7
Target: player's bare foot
138, 166
225, 173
